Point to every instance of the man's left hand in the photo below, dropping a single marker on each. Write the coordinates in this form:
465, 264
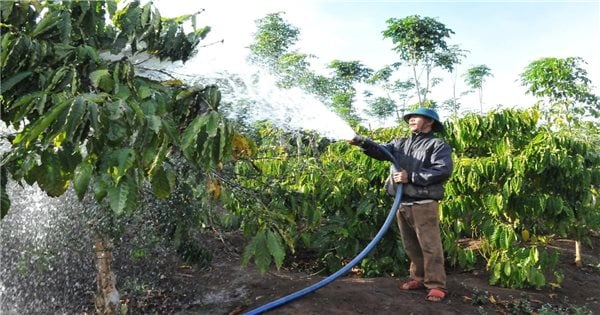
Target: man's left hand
400, 177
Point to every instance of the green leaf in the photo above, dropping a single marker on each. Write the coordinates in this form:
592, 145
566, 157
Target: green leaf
117, 130
262, 257
249, 251
123, 197
496, 273
507, 268
154, 123
163, 182
7, 84
40, 125
94, 118
275, 248
190, 135
169, 128
81, 178
212, 124
46, 23
26, 103
117, 197
50, 175
101, 79
125, 159
65, 27
101, 186
74, 116
144, 92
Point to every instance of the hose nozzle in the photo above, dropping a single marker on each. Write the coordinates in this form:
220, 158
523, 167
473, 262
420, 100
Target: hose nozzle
356, 140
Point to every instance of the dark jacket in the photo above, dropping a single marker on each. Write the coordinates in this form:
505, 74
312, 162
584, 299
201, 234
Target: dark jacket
426, 159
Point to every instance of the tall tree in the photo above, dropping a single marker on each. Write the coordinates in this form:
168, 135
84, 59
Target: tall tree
455, 56
475, 77
272, 40
272, 48
96, 123
345, 74
397, 94
380, 107
421, 42
564, 90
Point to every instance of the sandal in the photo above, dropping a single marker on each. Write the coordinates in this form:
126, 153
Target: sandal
412, 285
435, 295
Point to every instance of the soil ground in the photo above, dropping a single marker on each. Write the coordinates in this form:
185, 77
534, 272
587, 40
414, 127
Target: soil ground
225, 287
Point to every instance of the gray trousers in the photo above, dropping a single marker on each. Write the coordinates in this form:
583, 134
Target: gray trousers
420, 231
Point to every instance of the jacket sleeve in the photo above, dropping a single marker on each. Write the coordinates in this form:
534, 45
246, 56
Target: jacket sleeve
375, 150
440, 167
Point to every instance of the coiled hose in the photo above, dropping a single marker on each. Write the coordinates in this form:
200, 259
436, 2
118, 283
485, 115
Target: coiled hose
350, 265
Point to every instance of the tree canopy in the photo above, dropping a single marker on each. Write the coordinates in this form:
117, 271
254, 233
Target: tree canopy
81, 112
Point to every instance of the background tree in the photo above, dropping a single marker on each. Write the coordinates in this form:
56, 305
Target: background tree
272, 40
563, 88
272, 47
421, 42
455, 57
475, 77
96, 124
343, 92
397, 94
381, 107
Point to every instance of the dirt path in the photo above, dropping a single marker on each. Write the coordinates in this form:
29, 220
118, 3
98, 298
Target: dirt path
226, 288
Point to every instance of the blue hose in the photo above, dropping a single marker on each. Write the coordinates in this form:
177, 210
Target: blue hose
350, 265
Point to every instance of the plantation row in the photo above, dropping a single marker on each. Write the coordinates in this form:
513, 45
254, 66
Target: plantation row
516, 184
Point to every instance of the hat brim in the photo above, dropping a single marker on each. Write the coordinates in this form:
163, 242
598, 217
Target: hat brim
437, 126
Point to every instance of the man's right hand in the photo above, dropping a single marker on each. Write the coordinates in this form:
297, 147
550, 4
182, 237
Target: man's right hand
357, 140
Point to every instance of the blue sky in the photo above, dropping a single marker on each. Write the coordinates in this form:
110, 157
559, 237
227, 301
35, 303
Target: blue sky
504, 35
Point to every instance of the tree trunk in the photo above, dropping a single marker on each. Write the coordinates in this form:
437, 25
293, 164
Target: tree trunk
417, 85
481, 100
454, 101
578, 260
107, 297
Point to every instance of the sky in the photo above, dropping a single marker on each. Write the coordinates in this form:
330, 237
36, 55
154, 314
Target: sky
504, 35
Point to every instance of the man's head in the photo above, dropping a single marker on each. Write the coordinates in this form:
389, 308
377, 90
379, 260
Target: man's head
423, 120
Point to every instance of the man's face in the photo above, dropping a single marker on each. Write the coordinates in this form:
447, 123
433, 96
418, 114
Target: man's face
419, 123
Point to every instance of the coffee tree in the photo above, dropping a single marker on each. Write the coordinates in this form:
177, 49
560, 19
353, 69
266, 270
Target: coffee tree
84, 117
311, 197
516, 185
327, 199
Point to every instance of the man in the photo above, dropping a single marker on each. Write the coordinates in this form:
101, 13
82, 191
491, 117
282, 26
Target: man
425, 164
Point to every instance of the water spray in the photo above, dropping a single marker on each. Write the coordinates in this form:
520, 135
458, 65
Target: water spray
351, 264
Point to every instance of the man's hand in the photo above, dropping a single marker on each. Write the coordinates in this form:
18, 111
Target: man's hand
400, 177
357, 140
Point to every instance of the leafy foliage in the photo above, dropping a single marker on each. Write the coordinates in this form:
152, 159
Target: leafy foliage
312, 196
272, 50
563, 87
273, 39
328, 199
475, 77
84, 119
500, 193
421, 42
